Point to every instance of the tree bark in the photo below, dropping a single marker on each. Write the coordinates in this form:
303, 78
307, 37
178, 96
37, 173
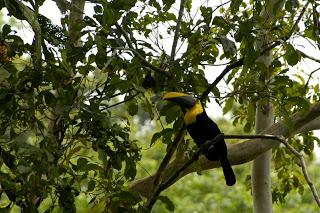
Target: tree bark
261, 180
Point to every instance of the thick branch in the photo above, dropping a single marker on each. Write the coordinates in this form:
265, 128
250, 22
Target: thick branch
76, 16
237, 153
31, 18
312, 125
205, 146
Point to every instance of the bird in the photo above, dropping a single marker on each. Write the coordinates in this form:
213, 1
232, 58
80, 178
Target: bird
201, 129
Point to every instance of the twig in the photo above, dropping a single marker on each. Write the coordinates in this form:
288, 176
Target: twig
310, 75
120, 93
137, 54
292, 149
176, 34
121, 102
309, 56
298, 20
158, 114
228, 68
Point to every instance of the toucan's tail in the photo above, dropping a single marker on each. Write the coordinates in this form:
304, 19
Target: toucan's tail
227, 171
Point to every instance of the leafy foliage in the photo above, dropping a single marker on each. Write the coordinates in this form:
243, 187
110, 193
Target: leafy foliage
64, 130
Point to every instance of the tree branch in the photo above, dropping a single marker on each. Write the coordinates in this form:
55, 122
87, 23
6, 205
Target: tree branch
237, 153
31, 18
76, 16
137, 54
228, 68
176, 34
121, 102
276, 43
304, 170
312, 125
240, 61
310, 75
292, 149
169, 154
209, 143
295, 25
158, 187
309, 56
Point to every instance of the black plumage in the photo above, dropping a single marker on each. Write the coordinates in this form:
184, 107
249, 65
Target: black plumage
205, 129
201, 128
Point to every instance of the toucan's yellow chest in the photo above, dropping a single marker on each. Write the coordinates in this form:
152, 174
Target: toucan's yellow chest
191, 113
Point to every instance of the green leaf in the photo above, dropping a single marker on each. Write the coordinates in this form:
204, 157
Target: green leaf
155, 138
97, 8
4, 74
235, 4
246, 27
206, 13
132, 108
7, 158
291, 5
116, 162
167, 4
292, 56
91, 185
171, 111
228, 105
220, 22
82, 164
301, 102
49, 98
107, 17
247, 127
129, 197
251, 112
130, 171
166, 135
168, 203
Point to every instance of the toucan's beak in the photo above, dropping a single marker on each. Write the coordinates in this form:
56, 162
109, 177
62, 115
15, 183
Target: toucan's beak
180, 98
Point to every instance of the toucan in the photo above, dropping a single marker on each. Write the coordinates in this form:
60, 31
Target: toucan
201, 128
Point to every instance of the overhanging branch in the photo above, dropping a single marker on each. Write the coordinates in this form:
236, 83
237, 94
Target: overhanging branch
209, 143
237, 153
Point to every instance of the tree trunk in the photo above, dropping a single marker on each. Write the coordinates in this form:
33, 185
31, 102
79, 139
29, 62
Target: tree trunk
261, 181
